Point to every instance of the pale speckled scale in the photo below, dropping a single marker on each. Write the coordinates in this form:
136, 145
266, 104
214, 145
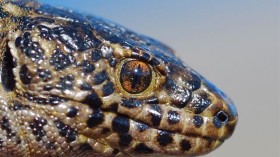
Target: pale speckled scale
76, 85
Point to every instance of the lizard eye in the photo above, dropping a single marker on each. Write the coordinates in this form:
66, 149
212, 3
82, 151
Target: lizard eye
135, 76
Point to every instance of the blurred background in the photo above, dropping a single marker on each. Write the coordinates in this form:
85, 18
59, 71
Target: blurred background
235, 44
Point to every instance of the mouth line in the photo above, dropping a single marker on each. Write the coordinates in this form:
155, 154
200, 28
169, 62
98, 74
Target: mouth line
192, 135
208, 138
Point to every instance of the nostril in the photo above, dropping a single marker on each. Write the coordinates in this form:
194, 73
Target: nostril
222, 117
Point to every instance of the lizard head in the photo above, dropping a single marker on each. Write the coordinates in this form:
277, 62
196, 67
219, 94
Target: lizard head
82, 84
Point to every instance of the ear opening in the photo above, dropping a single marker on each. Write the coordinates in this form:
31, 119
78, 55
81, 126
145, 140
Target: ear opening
7, 66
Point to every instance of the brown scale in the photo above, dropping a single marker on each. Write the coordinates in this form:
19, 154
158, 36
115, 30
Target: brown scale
68, 91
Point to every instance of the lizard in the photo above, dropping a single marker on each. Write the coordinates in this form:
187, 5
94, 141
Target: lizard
79, 85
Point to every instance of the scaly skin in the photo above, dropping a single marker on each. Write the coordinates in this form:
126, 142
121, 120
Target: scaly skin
74, 85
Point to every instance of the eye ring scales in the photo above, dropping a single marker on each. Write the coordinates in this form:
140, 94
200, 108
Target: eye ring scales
135, 76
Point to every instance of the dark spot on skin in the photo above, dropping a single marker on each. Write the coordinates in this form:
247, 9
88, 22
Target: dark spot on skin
170, 83
3, 14
113, 62
72, 112
39, 100
87, 67
141, 127
44, 74
105, 130
12, 134
156, 114
120, 124
113, 107
135, 53
217, 123
164, 138
124, 139
24, 75
60, 60
152, 100
85, 147
108, 89
185, 145
145, 57
1, 143
220, 119
115, 151
44, 19
17, 106
199, 103
131, 103
195, 81
7, 74
197, 120
18, 141
100, 78
173, 117
71, 136
180, 96
29, 97
66, 82
210, 140
37, 128
154, 62
50, 145
115, 39
96, 118
54, 100
44, 32
143, 149
86, 87
5, 125
18, 41
26, 23
96, 55
93, 100
31, 49
26, 35
66, 131
48, 88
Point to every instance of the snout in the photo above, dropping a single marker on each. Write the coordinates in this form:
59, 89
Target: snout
221, 112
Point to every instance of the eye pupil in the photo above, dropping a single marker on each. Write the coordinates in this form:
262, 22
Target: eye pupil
135, 76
